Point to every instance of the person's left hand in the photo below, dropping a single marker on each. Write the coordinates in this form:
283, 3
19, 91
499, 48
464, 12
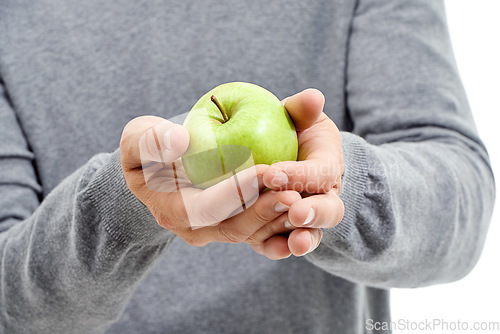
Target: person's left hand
316, 175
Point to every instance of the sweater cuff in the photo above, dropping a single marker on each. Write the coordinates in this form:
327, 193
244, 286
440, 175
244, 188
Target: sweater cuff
122, 214
354, 183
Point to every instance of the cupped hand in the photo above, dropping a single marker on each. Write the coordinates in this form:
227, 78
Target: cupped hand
317, 175
230, 211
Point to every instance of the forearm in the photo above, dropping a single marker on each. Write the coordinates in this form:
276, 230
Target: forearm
74, 263
416, 212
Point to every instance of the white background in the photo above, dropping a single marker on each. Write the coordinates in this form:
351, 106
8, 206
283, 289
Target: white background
475, 33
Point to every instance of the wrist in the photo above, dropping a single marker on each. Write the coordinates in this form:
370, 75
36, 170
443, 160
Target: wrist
122, 214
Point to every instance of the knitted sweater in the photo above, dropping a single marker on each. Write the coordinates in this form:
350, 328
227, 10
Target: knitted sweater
80, 254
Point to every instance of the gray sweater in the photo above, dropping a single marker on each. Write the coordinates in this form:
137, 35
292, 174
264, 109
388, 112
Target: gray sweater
80, 254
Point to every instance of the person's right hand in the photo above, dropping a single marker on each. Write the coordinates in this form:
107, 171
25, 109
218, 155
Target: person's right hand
150, 148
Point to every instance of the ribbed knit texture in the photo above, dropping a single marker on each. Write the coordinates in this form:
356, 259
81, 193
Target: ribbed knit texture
354, 182
125, 218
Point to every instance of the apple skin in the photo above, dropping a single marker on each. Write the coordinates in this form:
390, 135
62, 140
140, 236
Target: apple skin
259, 131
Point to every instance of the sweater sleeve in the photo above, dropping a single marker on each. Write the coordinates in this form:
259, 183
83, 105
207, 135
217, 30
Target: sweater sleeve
418, 188
69, 263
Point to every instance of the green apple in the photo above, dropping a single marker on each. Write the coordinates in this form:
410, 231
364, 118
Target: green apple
234, 126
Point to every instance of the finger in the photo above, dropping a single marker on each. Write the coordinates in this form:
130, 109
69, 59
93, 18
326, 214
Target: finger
266, 210
148, 139
304, 241
312, 176
216, 203
270, 206
317, 211
320, 162
305, 107
274, 248
189, 208
280, 225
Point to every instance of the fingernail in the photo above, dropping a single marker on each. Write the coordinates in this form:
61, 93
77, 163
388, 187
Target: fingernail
316, 236
313, 244
288, 225
280, 207
280, 179
255, 183
166, 139
310, 217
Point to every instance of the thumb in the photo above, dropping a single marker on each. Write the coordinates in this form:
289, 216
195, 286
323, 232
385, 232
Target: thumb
149, 139
305, 107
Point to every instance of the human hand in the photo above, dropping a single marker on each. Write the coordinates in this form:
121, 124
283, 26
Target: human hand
230, 211
317, 175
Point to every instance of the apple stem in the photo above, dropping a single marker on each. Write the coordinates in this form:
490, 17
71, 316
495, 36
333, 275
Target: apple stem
224, 115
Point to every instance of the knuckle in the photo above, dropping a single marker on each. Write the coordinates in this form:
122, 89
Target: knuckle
195, 242
258, 249
165, 222
252, 240
337, 188
170, 221
328, 183
269, 230
332, 181
231, 236
260, 216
